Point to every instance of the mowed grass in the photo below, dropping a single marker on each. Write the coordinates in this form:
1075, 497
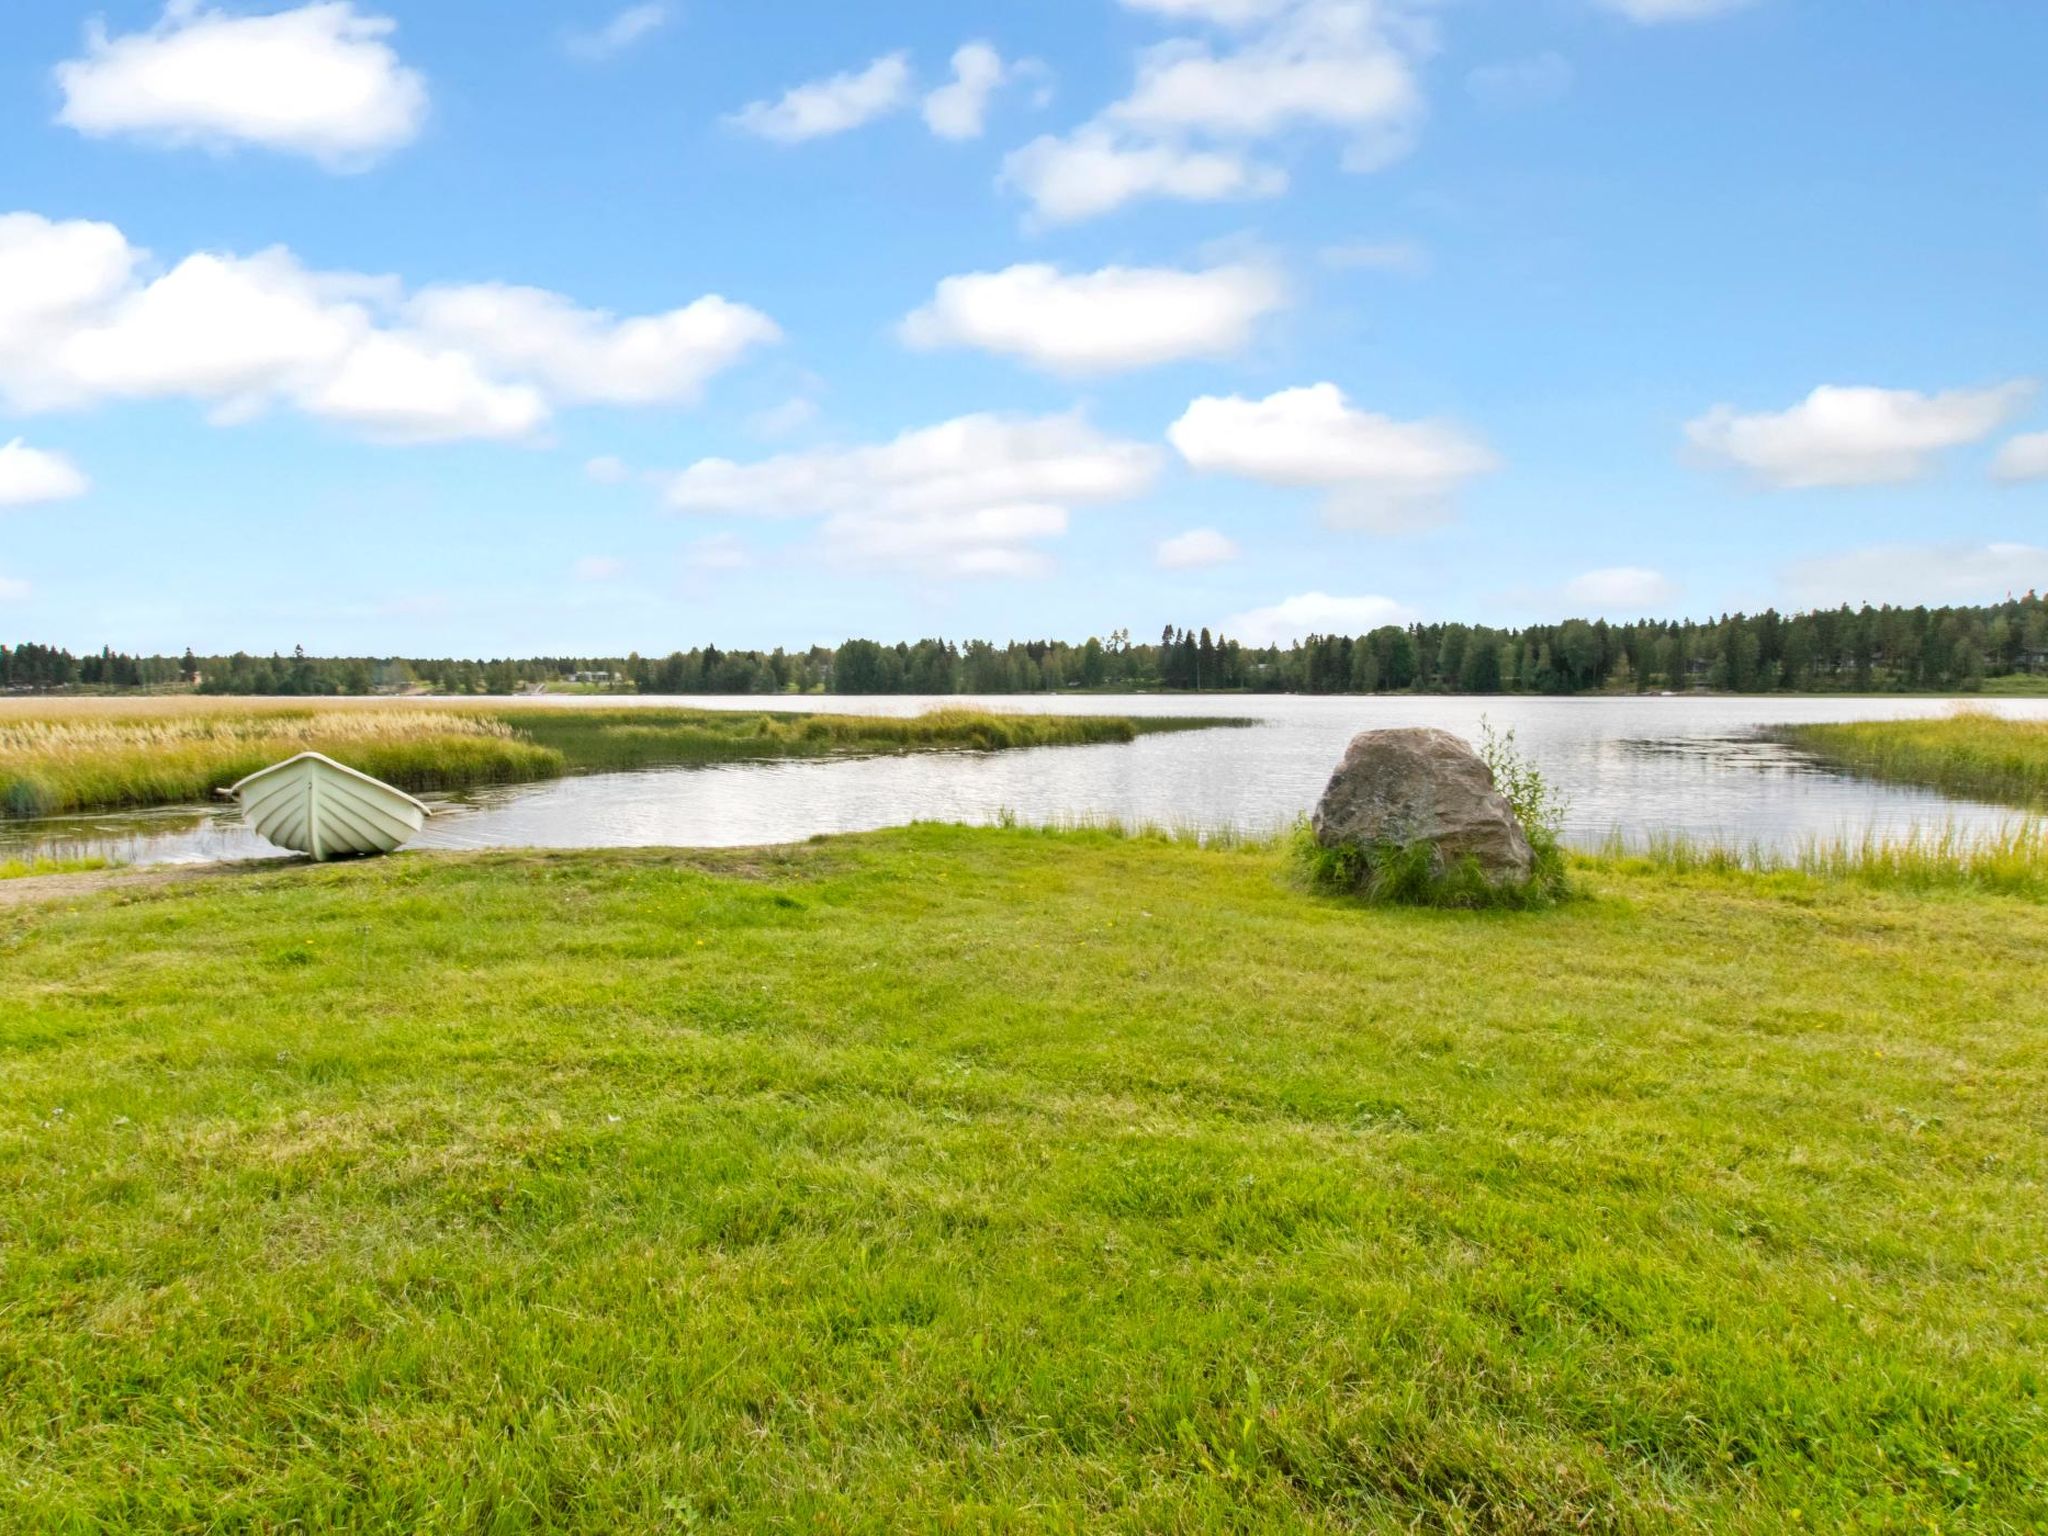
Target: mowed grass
1971, 752
66, 758
1004, 1180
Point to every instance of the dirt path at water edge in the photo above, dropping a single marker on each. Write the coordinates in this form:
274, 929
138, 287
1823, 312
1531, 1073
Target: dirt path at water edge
33, 890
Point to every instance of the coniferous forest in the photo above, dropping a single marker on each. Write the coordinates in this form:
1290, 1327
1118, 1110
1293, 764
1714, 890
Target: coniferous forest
1863, 650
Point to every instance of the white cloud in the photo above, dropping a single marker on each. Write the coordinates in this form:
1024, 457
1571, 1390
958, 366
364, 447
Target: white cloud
1406, 258
831, 106
396, 389
1328, 63
226, 328
52, 274
81, 322
1221, 13
1934, 574
973, 496
319, 81
607, 469
1856, 436
618, 34
592, 355
1315, 613
30, 475
13, 590
1650, 12
1379, 474
2024, 458
1515, 85
1196, 548
599, 568
1619, 588
1097, 322
959, 110
1093, 171
1194, 111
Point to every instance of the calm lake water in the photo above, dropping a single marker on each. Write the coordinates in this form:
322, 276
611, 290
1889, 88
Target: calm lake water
1635, 765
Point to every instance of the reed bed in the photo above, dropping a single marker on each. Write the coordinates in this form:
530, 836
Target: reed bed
1972, 752
50, 766
2011, 859
76, 756
597, 740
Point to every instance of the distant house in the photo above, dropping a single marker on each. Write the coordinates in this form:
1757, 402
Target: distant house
593, 677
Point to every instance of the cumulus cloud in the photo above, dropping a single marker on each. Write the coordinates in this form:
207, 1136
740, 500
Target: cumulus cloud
1377, 473
592, 355
618, 34
1621, 588
1220, 13
1316, 613
1196, 548
321, 80
82, 321
31, 475
959, 109
1516, 85
1097, 322
1196, 109
1918, 573
1650, 12
1093, 171
977, 495
607, 469
835, 105
2024, 458
1855, 436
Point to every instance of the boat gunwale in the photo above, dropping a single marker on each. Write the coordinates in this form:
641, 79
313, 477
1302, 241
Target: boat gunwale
321, 757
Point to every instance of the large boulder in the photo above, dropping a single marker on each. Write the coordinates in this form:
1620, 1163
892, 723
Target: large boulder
1418, 785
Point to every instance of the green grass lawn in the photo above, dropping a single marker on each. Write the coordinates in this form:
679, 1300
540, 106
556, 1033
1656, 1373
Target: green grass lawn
997, 1180
1973, 753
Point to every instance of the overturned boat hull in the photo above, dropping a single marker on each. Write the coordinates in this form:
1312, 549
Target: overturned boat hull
312, 804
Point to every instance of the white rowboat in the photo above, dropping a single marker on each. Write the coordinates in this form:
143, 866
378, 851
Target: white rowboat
312, 804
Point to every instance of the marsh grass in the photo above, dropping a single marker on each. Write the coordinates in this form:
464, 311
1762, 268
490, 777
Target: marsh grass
48, 767
612, 740
2011, 859
75, 759
1009, 1181
1971, 752
23, 869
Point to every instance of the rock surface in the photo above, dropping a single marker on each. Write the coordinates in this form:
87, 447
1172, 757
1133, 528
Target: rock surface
1419, 785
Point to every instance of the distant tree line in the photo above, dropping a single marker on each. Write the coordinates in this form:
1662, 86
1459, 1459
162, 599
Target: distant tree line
1857, 650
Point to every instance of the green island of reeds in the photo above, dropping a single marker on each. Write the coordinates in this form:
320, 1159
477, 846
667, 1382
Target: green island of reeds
1972, 752
994, 1179
70, 758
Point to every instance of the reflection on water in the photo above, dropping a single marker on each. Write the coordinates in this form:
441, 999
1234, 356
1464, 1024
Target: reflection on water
1636, 765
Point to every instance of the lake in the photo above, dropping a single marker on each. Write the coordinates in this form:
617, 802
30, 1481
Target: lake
1637, 765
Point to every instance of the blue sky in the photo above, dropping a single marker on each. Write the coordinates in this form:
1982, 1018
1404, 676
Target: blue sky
574, 328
